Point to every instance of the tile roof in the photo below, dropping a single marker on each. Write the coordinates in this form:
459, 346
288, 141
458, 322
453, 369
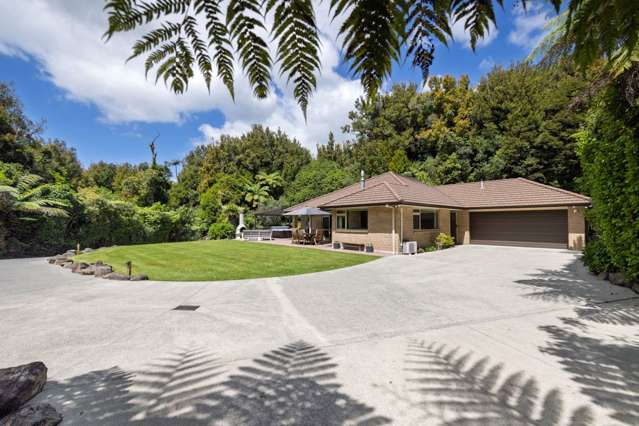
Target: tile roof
517, 192
391, 188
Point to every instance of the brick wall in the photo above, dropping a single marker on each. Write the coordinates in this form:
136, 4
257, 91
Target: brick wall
576, 228
379, 233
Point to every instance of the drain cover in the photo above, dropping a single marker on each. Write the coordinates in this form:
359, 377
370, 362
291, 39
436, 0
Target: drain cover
186, 307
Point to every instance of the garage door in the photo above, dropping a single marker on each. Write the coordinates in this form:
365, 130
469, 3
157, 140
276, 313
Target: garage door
547, 228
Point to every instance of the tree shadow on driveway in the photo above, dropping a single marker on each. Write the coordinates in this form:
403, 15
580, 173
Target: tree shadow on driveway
294, 384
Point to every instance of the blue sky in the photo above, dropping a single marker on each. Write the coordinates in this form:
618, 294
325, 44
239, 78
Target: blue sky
106, 110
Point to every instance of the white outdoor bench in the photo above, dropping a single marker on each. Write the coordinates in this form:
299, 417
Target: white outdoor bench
257, 234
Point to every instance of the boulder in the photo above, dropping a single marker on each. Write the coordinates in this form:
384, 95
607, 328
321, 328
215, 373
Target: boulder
102, 270
70, 253
33, 415
60, 260
140, 277
98, 263
89, 270
78, 266
603, 275
69, 264
20, 384
87, 250
116, 276
617, 278
51, 260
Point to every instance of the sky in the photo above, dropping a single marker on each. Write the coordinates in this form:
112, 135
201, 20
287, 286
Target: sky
53, 54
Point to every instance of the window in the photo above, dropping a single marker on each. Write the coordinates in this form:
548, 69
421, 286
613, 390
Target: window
341, 219
352, 219
424, 219
357, 219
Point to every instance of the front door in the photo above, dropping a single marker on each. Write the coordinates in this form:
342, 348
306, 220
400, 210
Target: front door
453, 225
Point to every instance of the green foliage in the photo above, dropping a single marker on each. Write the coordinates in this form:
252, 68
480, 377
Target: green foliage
258, 151
221, 231
609, 152
255, 193
519, 121
399, 163
444, 241
597, 258
317, 178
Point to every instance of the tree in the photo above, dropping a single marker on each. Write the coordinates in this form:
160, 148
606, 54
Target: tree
22, 201
255, 194
260, 150
399, 163
317, 178
271, 181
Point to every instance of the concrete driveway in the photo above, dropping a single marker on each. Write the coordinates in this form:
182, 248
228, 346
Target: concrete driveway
470, 335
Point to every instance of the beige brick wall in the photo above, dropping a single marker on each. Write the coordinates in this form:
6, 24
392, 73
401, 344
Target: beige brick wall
424, 237
379, 233
463, 227
576, 228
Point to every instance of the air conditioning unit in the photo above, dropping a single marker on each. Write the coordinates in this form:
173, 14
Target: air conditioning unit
409, 247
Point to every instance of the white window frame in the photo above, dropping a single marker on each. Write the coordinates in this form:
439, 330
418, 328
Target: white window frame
418, 212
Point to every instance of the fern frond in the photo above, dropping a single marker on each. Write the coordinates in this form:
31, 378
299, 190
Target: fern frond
295, 29
244, 20
371, 34
199, 48
218, 38
426, 20
127, 15
477, 16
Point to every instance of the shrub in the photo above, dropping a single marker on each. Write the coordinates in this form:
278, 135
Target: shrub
596, 257
608, 147
221, 231
444, 241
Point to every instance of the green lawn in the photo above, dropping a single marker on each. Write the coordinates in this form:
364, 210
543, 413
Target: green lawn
221, 260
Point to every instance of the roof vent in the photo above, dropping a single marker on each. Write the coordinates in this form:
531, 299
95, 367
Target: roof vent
481, 184
362, 180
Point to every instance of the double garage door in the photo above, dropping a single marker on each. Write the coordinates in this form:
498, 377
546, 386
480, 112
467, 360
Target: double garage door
542, 228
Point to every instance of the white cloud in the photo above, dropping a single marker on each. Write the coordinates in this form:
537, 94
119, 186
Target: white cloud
65, 38
529, 25
462, 36
487, 64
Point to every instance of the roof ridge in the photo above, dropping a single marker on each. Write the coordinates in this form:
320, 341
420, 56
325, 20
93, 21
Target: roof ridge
397, 197
475, 181
397, 178
356, 192
554, 188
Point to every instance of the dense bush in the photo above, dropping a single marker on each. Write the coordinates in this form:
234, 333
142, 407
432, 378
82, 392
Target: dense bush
444, 241
596, 257
221, 231
609, 151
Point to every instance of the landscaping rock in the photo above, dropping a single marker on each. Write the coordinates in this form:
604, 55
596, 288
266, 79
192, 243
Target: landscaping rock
20, 384
98, 263
89, 270
60, 260
140, 277
33, 415
78, 266
70, 253
603, 275
51, 260
69, 264
87, 250
102, 270
116, 276
635, 287
617, 278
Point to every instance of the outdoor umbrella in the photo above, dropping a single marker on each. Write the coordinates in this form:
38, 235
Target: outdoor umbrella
308, 212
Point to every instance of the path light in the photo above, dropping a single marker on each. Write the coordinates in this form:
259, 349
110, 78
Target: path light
129, 266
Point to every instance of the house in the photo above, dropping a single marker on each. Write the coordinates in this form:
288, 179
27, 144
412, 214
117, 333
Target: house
387, 209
